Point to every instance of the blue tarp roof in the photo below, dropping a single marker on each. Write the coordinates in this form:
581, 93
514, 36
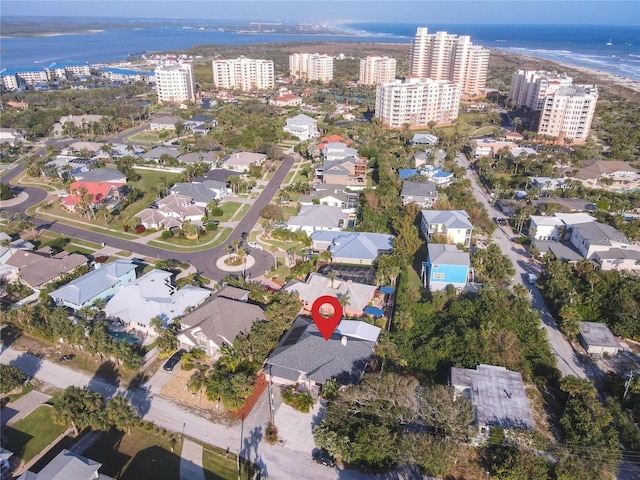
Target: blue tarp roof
376, 312
387, 289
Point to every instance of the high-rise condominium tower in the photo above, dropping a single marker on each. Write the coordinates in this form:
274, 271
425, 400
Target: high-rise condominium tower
244, 74
417, 101
311, 66
442, 56
376, 70
567, 113
529, 88
174, 83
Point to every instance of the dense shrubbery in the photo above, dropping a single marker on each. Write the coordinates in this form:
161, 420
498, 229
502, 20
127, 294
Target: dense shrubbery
302, 401
10, 378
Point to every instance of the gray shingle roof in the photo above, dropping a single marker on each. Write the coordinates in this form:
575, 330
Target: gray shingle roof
100, 175
419, 189
303, 350
597, 334
445, 254
597, 233
449, 218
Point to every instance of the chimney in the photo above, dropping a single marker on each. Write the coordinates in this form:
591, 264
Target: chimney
343, 340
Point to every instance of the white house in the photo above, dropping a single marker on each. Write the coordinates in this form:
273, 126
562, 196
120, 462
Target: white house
302, 126
241, 161
318, 217
452, 225
597, 339
592, 237
11, 136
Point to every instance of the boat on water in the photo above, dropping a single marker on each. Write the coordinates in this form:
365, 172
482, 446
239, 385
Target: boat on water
609, 43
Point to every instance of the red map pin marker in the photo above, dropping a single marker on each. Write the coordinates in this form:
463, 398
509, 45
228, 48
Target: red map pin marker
326, 325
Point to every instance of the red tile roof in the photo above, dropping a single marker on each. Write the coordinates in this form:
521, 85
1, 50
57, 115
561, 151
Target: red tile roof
98, 191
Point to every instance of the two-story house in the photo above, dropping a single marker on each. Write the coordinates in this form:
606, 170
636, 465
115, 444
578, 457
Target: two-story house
423, 194
302, 126
451, 226
445, 265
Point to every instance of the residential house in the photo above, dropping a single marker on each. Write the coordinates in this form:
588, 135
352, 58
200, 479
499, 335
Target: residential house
361, 248
218, 175
547, 184
99, 284
241, 161
345, 171
153, 295
305, 359
437, 175
622, 174
337, 151
556, 227
324, 141
217, 322
522, 152
5, 464
302, 126
423, 194
201, 193
318, 217
105, 175
68, 465
78, 121
156, 153
497, 394
445, 265
200, 124
102, 193
597, 339
357, 295
166, 122
424, 139
618, 259
332, 195
173, 210
286, 100
82, 148
450, 225
490, 148
593, 237
561, 251
199, 157
11, 136
66, 167
37, 269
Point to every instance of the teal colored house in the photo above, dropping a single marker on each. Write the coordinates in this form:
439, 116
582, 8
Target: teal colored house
445, 265
101, 283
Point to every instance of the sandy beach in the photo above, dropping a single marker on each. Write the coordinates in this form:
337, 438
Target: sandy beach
605, 78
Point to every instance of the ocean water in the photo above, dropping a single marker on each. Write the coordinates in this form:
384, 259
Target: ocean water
580, 45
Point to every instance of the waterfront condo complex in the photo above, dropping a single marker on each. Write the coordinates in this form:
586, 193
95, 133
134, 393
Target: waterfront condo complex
529, 88
417, 101
443, 56
375, 70
246, 74
174, 82
311, 66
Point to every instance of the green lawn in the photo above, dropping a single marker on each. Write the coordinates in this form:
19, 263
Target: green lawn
140, 454
288, 178
147, 136
218, 465
229, 209
30, 435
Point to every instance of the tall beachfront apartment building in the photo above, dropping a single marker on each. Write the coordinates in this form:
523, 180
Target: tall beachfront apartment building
174, 82
443, 56
529, 88
375, 70
311, 66
417, 101
567, 113
246, 74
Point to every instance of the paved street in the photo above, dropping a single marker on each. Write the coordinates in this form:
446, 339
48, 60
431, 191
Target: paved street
204, 261
568, 362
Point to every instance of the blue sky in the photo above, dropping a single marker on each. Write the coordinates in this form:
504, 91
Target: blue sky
614, 12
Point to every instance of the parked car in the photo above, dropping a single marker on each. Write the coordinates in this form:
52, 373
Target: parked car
212, 222
173, 360
67, 358
244, 235
321, 456
281, 225
255, 245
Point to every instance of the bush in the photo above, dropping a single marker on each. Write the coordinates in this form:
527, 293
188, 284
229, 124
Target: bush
140, 229
301, 401
10, 378
216, 212
166, 234
101, 259
271, 433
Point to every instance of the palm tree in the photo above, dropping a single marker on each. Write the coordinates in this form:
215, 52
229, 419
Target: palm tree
344, 299
331, 277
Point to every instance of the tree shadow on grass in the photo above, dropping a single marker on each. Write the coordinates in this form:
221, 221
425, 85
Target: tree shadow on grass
153, 462
105, 451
